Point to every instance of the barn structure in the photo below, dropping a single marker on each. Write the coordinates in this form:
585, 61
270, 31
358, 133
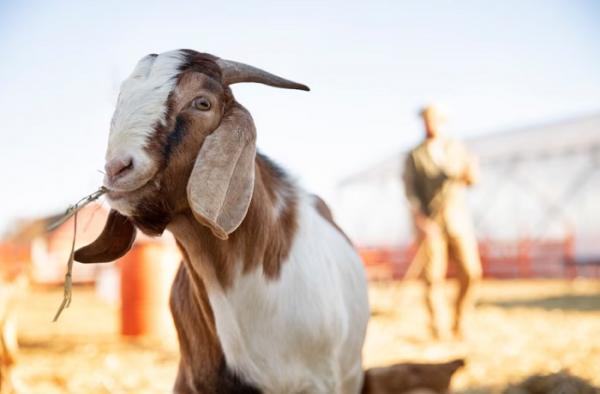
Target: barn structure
536, 209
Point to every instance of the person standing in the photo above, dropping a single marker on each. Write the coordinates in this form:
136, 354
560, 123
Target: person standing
435, 175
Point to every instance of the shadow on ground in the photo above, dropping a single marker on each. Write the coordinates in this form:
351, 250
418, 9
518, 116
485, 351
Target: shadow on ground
476, 390
583, 303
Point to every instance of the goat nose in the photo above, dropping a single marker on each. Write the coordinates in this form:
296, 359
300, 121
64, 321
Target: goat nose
118, 167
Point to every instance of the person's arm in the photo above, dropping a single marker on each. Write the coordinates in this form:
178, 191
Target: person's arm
410, 185
421, 220
471, 172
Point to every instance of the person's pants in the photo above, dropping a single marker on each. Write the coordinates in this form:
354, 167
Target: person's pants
462, 249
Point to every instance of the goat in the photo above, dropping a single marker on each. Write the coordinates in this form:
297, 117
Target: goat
405, 377
271, 296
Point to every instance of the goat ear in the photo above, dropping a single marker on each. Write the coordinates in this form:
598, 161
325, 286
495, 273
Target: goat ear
115, 240
222, 181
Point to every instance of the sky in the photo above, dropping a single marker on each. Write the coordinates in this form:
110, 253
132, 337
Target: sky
370, 65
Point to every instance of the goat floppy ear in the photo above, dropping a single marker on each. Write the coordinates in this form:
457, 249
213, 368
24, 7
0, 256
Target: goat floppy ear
115, 240
222, 181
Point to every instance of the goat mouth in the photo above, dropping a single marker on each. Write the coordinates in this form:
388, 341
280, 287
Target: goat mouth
127, 197
114, 194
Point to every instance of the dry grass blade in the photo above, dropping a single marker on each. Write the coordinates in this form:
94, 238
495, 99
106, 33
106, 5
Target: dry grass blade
72, 211
76, 207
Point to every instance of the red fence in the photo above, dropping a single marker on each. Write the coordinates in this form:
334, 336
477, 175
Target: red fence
500, 259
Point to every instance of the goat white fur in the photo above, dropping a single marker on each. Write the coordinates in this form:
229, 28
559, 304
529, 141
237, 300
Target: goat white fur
304, 332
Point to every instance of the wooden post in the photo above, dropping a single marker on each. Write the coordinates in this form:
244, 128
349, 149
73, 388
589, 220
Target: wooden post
147, 272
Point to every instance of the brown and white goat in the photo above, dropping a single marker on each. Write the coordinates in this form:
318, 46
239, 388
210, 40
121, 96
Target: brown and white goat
271, 297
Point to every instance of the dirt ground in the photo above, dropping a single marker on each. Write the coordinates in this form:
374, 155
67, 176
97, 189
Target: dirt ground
519, 328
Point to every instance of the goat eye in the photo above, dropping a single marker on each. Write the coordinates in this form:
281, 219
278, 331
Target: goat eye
201, 103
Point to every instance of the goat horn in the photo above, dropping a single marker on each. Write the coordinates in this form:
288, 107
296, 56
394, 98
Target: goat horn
235, 72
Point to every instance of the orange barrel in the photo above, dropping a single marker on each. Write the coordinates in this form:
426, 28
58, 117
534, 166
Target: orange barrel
147, 272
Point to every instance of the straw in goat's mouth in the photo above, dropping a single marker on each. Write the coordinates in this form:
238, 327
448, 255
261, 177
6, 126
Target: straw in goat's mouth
72, 211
